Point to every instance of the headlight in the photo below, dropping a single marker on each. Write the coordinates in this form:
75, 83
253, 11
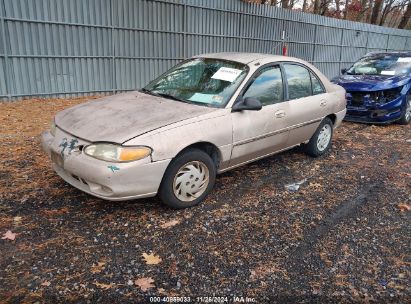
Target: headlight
53, 128
117, 153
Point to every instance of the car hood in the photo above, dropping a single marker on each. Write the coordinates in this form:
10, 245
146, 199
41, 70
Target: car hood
371, 82
121, 117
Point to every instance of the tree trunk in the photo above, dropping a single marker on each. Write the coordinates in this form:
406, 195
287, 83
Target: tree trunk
337, 5
368, 13
347, 2
284, 3
376, 11
317, 6
385, 12
405, 18
305, 6
363, 11
324, 7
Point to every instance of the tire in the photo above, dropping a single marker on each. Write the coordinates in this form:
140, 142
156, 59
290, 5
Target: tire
406, 116
321, 141
188, 171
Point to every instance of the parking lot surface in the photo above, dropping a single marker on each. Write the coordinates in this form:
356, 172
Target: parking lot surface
343, 235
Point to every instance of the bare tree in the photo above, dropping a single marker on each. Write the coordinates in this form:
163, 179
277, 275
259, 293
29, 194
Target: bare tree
337, 5
406, 17
390, 6
365, 6
391, 13
317, 6
347, 2
305, 5
376, 10
284, 3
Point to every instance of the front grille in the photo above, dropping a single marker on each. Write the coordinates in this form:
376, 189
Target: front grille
357, 99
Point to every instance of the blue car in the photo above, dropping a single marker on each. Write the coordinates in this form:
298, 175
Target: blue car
378, 88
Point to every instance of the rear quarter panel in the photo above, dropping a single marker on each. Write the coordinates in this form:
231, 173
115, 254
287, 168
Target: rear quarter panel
337, 97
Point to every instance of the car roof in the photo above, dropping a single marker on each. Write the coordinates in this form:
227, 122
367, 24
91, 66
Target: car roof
245, 58
249, 58
401, 53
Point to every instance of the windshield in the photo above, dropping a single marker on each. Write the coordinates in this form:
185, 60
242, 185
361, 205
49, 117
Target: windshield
208, 82
383, 64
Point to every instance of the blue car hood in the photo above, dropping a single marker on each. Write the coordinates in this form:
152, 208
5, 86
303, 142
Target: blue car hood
371, 82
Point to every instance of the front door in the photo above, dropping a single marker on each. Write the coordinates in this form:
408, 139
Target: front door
258, 133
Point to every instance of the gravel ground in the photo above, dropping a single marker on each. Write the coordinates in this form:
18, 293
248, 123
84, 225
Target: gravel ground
344, 236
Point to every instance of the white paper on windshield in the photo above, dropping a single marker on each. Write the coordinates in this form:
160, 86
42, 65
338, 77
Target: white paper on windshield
227, 74
404, 59
206, 98
390, 73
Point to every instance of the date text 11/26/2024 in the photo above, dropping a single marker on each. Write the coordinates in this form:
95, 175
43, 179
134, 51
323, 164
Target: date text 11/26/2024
212, 299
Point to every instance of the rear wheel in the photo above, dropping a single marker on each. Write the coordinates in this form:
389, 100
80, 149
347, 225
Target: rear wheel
188, 180
406, 116
320, 142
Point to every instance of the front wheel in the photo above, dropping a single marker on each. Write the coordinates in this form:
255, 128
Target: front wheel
320, 142
406, 116
188, 180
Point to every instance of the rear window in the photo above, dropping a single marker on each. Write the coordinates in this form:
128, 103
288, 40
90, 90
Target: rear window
299, 81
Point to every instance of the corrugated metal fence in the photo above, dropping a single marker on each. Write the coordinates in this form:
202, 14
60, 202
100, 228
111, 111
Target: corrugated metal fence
77, 47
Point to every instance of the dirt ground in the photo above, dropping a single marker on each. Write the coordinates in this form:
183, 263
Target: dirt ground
344, 236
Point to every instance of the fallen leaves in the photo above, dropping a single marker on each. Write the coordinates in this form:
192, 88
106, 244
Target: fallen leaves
264, 270
151, 259
404, 207
56, 211
98, 268
103, 286
145, 283
17, 220
9, 236
170, 224
45, 284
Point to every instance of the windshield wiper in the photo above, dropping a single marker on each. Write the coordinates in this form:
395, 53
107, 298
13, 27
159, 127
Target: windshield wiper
144, 90
164, 95
170, 97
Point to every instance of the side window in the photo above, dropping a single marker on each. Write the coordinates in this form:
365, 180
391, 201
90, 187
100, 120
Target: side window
318, 88
299, 81
267, 87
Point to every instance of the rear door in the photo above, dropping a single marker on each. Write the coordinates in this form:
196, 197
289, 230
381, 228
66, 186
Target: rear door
258, 133
307, 100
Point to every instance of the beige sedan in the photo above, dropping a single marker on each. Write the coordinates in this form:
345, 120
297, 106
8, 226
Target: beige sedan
207, 115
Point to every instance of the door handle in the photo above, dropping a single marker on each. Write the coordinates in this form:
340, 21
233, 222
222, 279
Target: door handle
280, 114
323, 103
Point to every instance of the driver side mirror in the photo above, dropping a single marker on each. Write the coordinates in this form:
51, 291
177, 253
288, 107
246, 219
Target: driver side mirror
343, 71
249, 103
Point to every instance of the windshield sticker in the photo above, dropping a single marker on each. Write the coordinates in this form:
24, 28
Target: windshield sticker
218, 98
206, 98
389, 73
404, 59
227, 74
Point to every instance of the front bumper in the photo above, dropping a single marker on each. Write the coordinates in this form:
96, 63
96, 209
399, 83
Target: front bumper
376, 114
109, 181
